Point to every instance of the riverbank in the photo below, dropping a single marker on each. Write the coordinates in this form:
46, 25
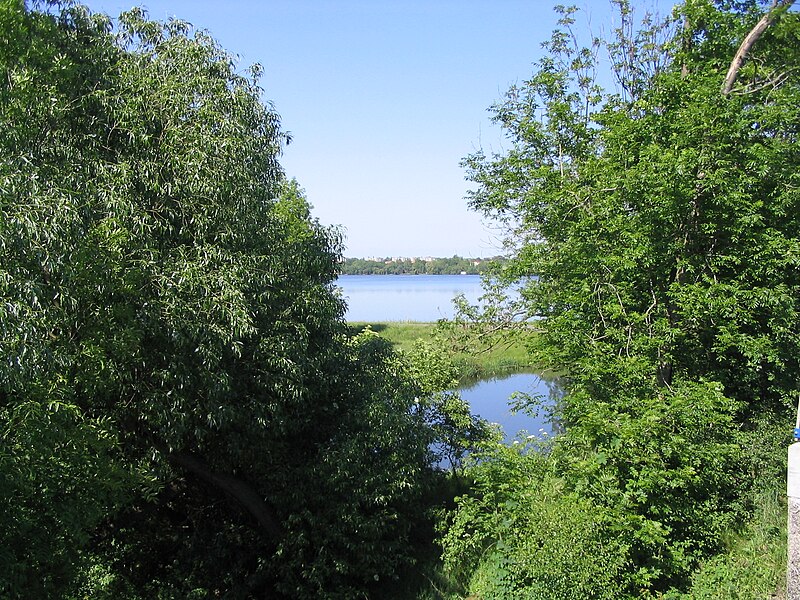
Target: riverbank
501, 360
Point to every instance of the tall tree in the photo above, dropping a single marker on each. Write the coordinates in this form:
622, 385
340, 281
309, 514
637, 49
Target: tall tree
655, 234
183, 410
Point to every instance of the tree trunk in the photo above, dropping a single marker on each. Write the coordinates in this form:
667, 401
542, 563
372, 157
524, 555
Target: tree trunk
249, 499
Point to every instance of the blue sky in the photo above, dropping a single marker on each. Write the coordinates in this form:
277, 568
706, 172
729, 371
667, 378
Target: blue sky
383, 99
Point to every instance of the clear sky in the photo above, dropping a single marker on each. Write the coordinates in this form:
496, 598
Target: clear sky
383, 99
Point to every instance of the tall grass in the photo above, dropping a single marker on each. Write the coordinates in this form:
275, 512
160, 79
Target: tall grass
501, 360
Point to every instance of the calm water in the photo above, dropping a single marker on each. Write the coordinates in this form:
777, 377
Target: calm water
491, 400
405, 297
428, 298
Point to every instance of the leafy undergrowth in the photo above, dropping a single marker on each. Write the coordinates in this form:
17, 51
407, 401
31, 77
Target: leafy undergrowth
754, 567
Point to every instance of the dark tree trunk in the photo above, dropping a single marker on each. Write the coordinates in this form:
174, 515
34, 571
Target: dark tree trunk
243, 493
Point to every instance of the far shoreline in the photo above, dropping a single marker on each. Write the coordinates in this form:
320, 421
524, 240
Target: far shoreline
409, 275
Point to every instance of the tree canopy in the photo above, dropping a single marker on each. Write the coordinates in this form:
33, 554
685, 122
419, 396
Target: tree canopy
183, 411
653, 228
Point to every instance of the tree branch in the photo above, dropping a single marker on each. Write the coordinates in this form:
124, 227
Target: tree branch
238, 489
751, 38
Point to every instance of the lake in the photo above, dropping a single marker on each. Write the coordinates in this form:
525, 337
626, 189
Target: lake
405, 297
378, 298
490, 399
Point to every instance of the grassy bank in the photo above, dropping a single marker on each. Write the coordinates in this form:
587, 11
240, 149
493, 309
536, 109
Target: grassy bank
497, 361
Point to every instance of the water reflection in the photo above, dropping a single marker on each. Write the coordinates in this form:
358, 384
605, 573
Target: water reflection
495, 400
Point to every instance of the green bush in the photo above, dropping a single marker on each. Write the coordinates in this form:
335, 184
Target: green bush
755, 564
524, 535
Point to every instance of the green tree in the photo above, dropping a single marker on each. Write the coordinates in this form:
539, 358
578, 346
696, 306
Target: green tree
183, 412
654, 232
62, 471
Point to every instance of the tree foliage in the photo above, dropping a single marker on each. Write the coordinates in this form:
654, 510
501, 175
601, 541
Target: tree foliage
654, 230
183, 412
523, 534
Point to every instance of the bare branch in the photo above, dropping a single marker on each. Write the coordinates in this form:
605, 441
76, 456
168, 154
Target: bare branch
777, 7
773, 82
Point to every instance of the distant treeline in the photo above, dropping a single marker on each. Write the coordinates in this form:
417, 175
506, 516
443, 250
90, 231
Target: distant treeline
454, 265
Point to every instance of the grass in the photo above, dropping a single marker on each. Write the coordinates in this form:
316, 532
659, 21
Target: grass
500, 360
402, 334
754, 565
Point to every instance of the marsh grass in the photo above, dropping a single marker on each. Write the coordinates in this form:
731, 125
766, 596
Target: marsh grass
500, 360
